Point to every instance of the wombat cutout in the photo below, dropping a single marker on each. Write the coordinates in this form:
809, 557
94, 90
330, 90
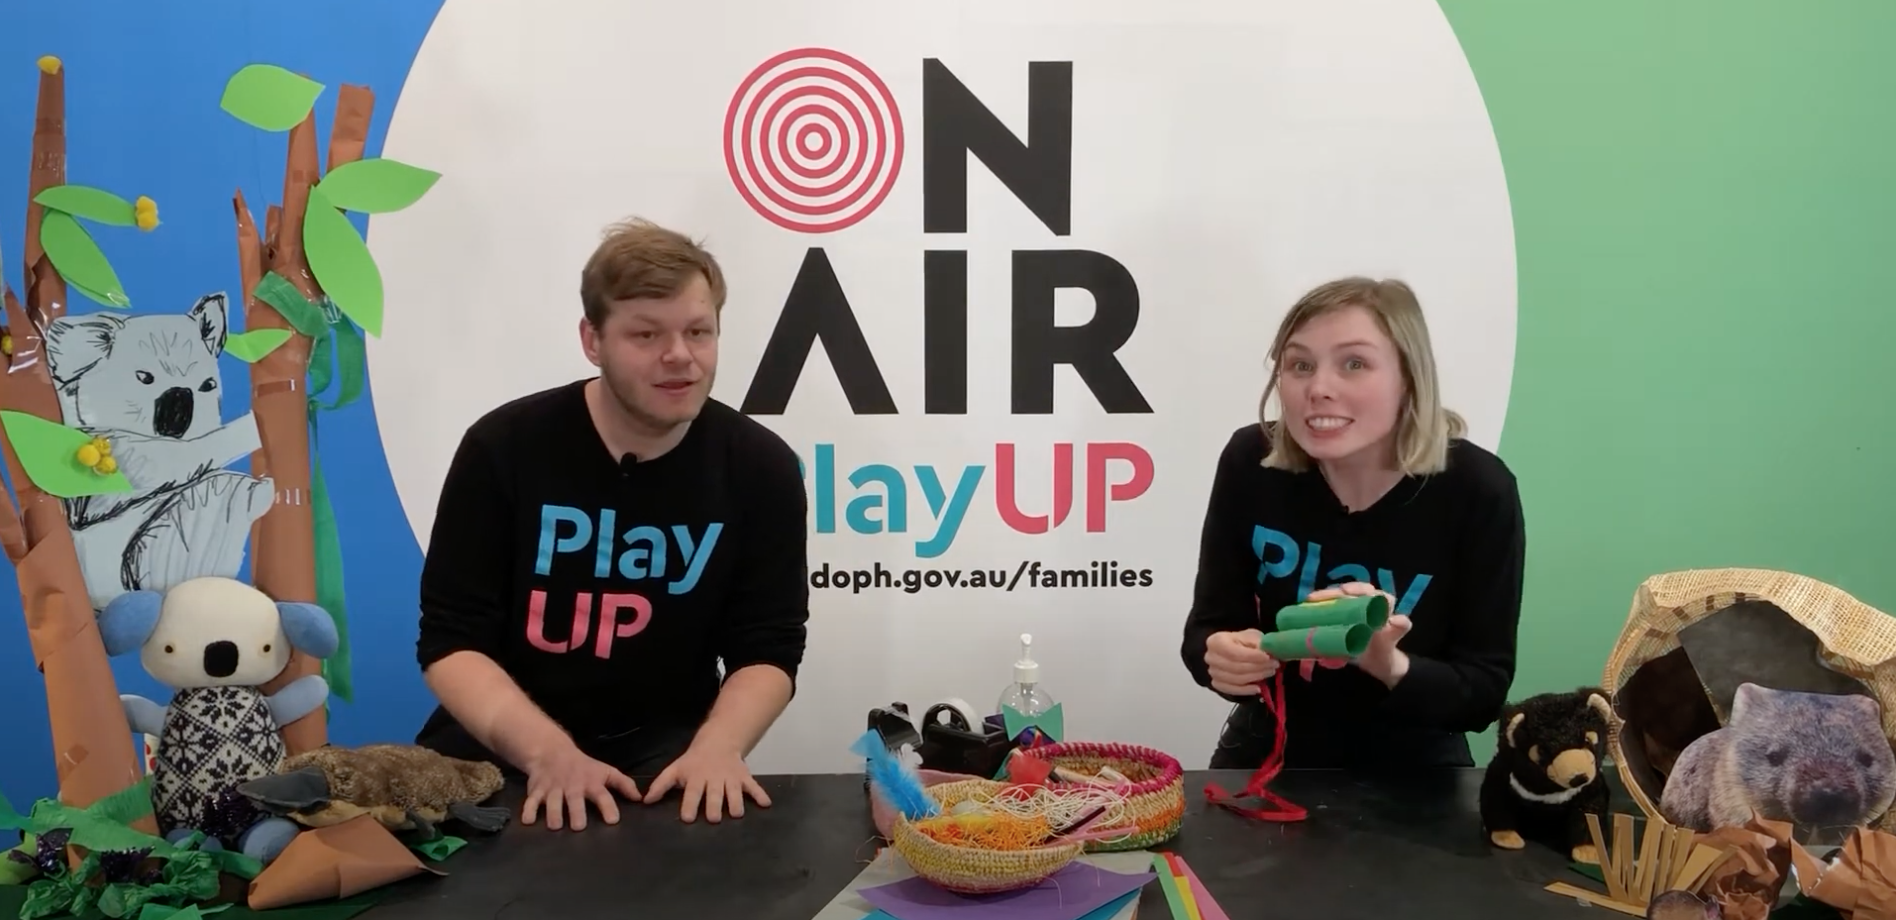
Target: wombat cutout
1673, 700
1818, 761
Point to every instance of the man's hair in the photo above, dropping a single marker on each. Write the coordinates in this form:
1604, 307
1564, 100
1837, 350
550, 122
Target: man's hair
1424, 428
640, 259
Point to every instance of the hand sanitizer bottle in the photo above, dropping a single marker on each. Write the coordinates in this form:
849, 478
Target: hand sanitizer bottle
1024, 694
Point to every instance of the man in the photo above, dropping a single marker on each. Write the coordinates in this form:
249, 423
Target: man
601, 546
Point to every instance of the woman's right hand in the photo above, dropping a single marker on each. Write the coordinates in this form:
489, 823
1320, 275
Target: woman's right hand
1236, 663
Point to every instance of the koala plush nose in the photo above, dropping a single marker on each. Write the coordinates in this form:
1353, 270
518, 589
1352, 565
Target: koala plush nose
220, 659
171, 414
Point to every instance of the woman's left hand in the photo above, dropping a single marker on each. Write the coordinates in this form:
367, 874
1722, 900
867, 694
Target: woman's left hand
1382, 659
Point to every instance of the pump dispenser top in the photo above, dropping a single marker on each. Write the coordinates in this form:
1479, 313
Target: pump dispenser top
1024, 695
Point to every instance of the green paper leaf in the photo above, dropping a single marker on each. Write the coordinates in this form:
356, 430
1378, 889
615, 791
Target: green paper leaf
377, 185
251, 347
341, 263
269, 97
1053, 722
329, 585
297, 310
439, 848
90, 203
48, 450
79, 259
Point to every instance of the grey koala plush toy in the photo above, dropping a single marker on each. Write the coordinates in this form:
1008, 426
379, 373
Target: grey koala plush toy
1819, 761
215, 641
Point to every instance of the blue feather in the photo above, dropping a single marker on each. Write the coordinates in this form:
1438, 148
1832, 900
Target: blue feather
899, 786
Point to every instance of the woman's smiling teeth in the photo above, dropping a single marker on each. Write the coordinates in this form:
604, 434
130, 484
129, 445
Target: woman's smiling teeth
1326, 422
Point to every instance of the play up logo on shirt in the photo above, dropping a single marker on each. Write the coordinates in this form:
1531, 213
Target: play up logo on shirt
1002, 274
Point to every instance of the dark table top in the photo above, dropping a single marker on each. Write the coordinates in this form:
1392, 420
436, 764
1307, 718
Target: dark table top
1371, 848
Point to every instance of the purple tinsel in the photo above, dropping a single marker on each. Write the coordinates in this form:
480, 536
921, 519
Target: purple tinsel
227, 816
128, 866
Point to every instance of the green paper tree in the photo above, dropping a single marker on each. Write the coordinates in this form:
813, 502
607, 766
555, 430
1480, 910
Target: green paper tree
312, 294
48, 461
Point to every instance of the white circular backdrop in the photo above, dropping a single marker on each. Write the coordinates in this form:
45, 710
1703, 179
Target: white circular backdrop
1229, 153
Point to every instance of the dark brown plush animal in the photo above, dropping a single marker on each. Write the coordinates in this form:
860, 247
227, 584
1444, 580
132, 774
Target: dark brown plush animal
1544, 778
1819, 761
403, 787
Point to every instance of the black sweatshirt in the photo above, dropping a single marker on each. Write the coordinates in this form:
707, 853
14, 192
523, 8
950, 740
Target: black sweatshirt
1449, 548
672, 564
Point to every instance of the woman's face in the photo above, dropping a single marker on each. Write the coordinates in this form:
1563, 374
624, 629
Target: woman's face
1340, 382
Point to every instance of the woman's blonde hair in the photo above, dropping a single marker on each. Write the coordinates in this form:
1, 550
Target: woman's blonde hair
1424, 428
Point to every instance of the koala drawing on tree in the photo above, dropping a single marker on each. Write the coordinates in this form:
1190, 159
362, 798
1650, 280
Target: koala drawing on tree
150, 385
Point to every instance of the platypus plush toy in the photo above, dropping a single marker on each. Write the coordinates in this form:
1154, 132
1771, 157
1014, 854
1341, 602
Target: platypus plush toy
403, 787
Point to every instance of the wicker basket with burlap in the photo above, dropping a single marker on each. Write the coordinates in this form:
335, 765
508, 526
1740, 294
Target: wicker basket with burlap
1692, 636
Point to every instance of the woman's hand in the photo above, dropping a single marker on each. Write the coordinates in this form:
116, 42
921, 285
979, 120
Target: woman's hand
1382, 659
1236, 663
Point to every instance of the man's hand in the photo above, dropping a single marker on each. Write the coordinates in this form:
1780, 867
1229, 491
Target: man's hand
565, 780
717, 776
1382, 659
1236, 664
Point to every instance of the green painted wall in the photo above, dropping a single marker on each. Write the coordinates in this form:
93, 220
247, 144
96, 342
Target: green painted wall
1704, 198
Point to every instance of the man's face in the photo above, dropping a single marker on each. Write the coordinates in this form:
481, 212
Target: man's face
658, 358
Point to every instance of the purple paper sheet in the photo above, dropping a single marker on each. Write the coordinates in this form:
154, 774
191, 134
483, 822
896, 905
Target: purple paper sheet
1068, 894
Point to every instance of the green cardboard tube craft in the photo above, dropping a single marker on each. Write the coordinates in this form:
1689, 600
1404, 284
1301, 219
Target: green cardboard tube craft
1336, 628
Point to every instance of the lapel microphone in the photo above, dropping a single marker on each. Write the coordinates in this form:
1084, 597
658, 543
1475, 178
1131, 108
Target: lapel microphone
626, 463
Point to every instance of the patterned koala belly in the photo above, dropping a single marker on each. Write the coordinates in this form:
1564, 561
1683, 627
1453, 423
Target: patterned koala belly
214, 739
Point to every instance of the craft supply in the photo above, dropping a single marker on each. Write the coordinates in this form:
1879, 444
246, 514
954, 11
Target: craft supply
897, 783
1336, 628
1666, 859
1069, 894
1202, 901
959, 715
1025, 695
1170, 864
982, 848
1152, 787
1277, 808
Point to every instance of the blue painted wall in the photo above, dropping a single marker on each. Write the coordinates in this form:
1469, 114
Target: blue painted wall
143, 84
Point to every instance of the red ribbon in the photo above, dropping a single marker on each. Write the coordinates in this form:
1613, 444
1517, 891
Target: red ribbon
1278, 807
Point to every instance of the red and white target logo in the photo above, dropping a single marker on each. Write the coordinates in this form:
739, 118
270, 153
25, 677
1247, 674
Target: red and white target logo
813, 140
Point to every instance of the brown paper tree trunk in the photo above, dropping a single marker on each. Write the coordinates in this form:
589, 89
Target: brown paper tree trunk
282, 546
92, 740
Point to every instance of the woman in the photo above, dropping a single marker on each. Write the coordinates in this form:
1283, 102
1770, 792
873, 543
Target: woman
1363, 485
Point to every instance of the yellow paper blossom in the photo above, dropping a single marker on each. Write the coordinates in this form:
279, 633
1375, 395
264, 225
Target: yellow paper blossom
107, 466
49, 64
145, 212
88, 455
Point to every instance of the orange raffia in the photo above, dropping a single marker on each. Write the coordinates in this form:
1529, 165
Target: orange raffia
987, 831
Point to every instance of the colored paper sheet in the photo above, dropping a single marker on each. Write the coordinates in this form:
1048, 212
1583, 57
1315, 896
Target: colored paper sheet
1053, 722
1072, 893
1169, 886
95, 204
80, 260
269, 97
49, 452
341, 263
377, 185
1174, 870
1111, 910
250, 347
1208, 908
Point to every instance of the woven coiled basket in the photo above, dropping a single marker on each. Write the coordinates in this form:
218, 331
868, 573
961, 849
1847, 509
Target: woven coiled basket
971, 870
1155, 801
